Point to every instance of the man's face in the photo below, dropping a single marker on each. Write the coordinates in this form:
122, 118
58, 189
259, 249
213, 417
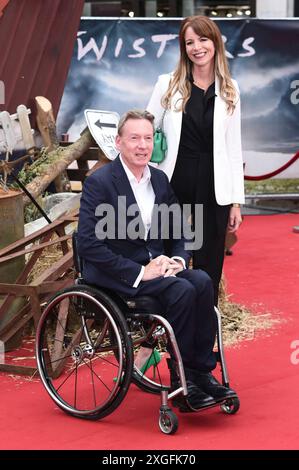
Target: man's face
136, 143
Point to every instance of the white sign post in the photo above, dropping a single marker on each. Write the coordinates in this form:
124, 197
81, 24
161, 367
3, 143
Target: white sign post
103, 128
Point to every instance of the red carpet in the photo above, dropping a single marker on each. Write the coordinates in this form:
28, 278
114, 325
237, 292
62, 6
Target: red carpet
263, 273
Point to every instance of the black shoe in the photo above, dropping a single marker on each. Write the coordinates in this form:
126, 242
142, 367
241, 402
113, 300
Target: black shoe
207, 382
196, 399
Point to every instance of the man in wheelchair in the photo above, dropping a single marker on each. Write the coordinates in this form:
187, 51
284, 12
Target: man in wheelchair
121, 240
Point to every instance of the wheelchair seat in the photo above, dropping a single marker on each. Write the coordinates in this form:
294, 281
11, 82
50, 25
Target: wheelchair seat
144, 304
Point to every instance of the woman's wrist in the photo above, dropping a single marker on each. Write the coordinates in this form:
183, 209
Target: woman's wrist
236, 204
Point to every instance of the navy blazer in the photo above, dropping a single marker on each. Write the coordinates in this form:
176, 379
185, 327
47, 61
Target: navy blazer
115, 262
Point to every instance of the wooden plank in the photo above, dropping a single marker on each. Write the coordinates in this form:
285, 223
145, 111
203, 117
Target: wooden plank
26, 313
71, 218
72, 213
76, 186
82, 164
20, 290
55, 270
21, 318
5, 305
77, 175
57, 351
38, 247
64, 245
48, 287
28, 139
91, 154
43, 286
14, 327
35, 308
31, 238
19, 370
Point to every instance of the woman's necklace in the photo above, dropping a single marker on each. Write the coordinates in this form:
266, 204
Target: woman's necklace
200, 84
205, 81
203, 85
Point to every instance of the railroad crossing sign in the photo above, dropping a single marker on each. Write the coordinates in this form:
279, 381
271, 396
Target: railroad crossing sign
103, 128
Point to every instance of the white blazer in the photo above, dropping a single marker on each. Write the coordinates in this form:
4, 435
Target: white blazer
228, 162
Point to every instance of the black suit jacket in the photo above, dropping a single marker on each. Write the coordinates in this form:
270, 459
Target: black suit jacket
116, 261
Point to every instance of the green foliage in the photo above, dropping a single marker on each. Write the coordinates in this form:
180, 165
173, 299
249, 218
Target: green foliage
30, 171
272, 186
39, 166
31, 212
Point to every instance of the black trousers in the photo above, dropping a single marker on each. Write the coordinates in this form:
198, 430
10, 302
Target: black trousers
188, 303
210, 257
193, 183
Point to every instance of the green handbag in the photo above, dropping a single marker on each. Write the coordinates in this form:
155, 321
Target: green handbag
160, 143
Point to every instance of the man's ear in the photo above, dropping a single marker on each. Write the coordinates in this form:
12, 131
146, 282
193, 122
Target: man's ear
117, 142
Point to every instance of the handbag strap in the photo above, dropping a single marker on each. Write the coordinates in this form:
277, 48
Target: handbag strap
163, 115
162, 120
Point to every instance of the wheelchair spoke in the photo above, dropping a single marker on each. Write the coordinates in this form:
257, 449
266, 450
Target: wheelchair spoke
96, 375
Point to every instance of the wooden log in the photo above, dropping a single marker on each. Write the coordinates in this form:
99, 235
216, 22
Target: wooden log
47, 127
58, 160
46, 122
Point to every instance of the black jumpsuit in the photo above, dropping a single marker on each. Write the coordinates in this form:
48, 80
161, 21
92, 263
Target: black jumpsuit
193, 180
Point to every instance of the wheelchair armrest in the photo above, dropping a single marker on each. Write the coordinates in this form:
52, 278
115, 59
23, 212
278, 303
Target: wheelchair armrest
76, 258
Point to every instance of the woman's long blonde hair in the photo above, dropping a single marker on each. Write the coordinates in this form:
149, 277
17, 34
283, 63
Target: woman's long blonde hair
180, 81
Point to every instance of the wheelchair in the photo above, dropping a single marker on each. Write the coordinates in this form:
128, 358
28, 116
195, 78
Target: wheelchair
85, 344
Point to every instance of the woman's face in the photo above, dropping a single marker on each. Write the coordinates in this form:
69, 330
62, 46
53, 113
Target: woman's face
199, 49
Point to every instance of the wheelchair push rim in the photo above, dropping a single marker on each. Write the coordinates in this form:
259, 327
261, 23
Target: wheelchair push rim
82, 345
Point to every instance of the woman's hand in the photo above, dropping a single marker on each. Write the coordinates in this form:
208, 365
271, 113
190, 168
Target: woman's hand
235, 219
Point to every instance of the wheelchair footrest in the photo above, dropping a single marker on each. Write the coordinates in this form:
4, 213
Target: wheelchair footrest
184, 406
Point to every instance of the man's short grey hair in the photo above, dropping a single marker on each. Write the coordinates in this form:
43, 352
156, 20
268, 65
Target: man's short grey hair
135, 114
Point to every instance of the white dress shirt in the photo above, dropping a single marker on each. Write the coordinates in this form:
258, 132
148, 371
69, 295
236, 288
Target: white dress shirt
145, 198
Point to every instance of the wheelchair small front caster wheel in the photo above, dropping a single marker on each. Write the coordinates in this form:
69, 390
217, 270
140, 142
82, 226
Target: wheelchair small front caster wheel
231, 406
168, 422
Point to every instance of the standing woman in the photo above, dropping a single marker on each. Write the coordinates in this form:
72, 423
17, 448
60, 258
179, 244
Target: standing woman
202, 124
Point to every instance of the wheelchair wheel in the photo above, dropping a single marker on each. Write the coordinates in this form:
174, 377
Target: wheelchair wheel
153, 379
168, 421
231, 406
84, 353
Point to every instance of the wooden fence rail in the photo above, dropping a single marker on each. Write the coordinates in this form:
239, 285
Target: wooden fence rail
35, 290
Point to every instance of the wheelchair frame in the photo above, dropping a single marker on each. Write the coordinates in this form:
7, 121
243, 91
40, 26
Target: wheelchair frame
84, 350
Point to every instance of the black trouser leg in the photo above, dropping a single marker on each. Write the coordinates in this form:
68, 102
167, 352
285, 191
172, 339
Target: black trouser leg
188, 304
206, 321
210, 257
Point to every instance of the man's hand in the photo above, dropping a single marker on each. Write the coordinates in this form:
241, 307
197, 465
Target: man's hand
175, 267
161, 266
